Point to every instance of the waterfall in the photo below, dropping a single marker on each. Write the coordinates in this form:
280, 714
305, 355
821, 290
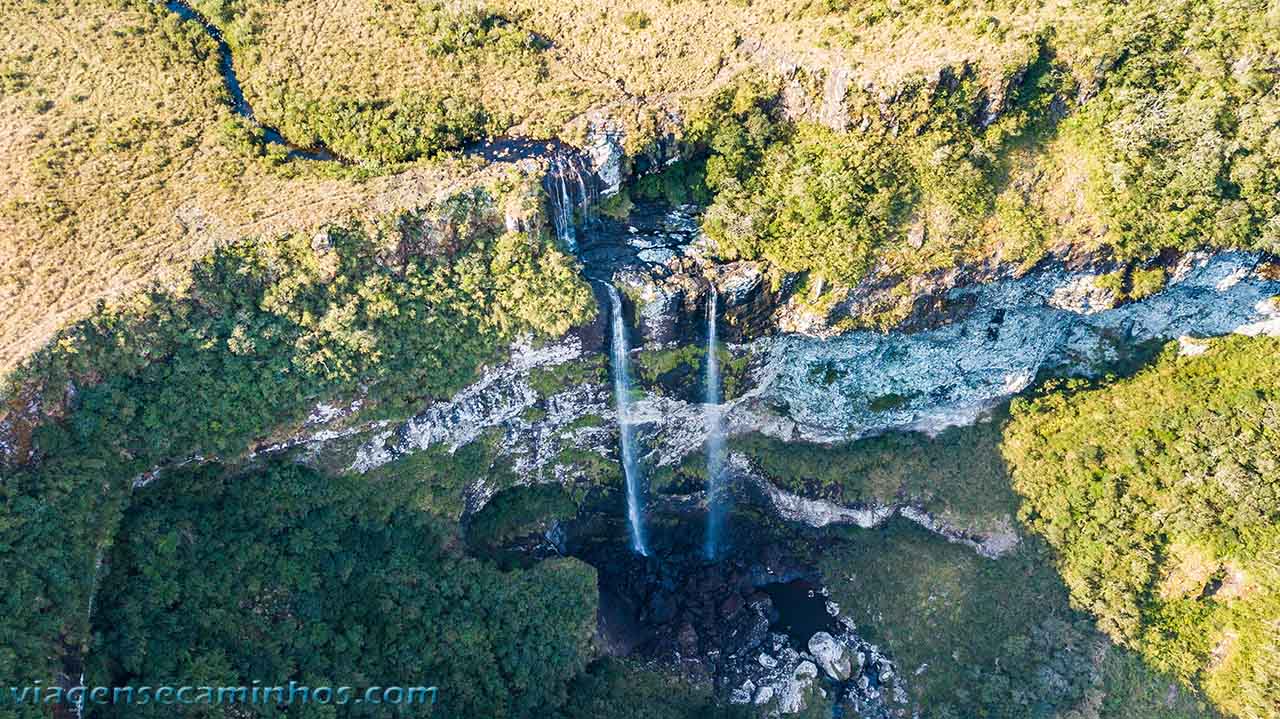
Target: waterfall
620, 354
571, 189
716, 498
562, 207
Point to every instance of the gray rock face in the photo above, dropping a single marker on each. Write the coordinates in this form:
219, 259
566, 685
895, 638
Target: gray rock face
663, 284
1082, 295
827, 387
604, 147
501, 400
849, 386
991, 544
861, 383
499, 397
819, 513
794, 508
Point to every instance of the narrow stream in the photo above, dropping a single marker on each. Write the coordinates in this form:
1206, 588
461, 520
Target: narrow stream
238, 102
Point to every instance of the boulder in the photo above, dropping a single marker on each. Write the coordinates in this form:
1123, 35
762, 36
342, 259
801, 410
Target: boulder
831, 655
731, 606
604, 147
793, 693
748, 633
743, 694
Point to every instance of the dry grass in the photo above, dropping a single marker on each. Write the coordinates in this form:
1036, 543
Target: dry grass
115, 167
116, 164
600, 55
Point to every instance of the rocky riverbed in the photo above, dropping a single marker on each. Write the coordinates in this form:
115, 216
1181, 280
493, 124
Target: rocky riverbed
758, 626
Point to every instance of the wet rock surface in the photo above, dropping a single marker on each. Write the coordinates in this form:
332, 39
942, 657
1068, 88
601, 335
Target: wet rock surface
757, 627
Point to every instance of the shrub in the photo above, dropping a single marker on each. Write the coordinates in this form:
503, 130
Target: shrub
635, 20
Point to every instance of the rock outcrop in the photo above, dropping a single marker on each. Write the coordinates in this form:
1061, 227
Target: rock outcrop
819, 513
825, 390
784, 679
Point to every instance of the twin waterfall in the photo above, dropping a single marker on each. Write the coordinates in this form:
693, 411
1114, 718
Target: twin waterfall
571, 190
620, 356
716, 495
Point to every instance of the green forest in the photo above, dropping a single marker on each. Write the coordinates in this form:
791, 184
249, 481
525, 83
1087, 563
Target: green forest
342, 582
1161, 496
187, 279
262, 331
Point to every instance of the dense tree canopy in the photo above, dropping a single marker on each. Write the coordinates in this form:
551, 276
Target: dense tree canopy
258, 332
1130, 129
286, 575
1161, 495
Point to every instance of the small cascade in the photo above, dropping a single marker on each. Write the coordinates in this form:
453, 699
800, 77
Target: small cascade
620, 355
571, 187
716, 499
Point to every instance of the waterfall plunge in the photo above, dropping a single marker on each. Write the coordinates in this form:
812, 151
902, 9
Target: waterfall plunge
571, 190
620, 354
716, 498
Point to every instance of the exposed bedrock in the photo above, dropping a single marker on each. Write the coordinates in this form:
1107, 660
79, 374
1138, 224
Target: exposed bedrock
758, 626
862, 383
837, 388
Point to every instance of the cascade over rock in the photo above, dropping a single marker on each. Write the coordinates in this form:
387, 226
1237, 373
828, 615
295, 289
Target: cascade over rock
845, 386
620, 353
981, 344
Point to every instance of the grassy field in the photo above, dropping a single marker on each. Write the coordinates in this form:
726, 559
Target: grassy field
121, 159
1151, 127
533, 67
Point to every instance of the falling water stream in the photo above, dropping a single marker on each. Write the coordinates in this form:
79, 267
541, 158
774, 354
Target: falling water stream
715, 437
620, 355
571, 197
570, 189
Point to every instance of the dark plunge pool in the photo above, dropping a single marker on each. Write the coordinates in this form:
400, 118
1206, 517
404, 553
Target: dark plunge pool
801, 610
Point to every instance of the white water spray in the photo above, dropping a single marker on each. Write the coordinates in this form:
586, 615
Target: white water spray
622, 396
716, 499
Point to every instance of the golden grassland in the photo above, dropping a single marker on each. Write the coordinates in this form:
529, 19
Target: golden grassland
119, 160
120, 156
647, 54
